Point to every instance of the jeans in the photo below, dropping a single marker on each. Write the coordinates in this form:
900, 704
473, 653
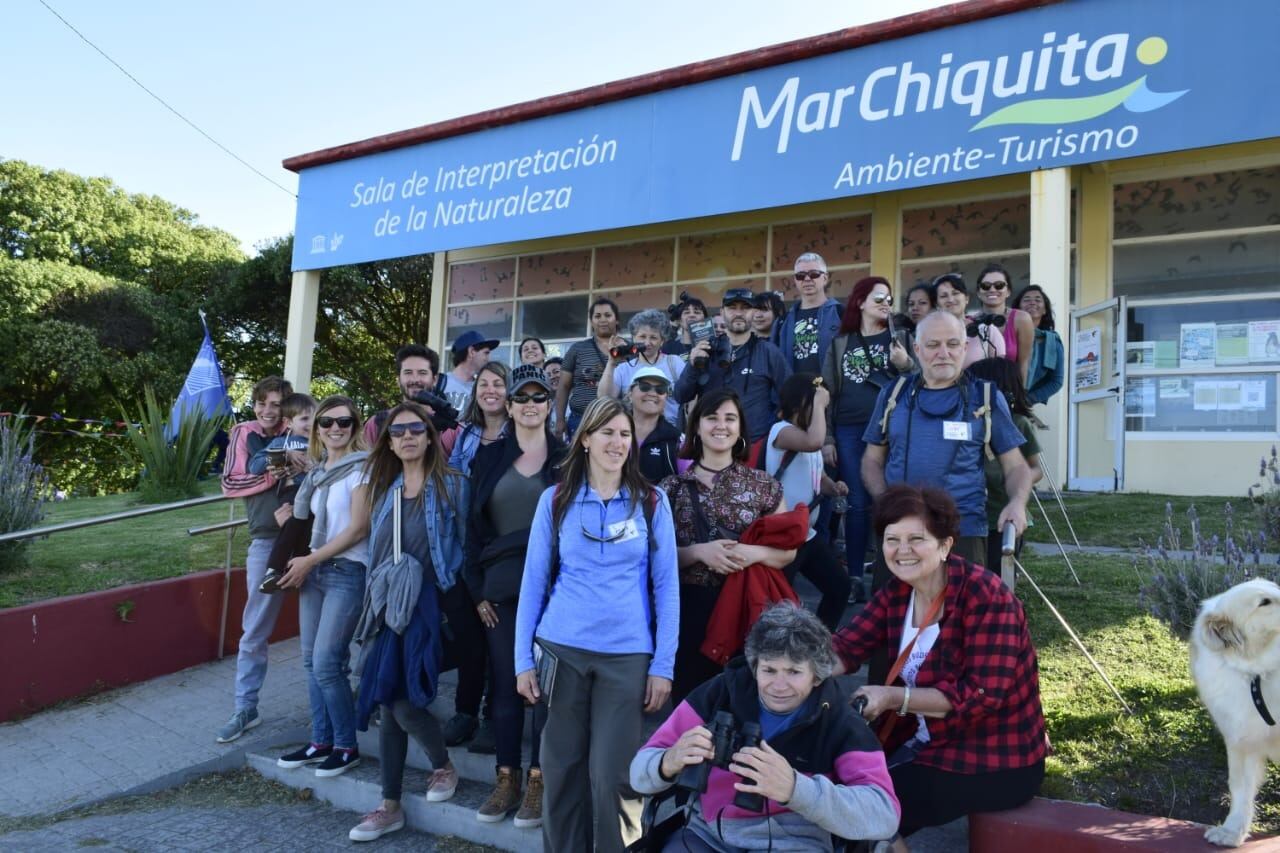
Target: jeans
328, 609
857, 520
464, 647
508, 705
257, 623
398, 723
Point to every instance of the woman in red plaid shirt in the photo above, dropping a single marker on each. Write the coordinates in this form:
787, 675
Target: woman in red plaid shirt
962, 727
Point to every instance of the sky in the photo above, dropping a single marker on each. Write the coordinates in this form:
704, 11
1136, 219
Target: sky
276, 79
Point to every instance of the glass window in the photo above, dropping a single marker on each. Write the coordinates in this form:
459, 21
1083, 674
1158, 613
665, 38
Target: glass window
971, 227
840, 282
1247, 198
482, 280
631, 302
492, 320
1209, 402
561, 272
1202, 334
712, 294
840, 242
1019, 267
1234, 263
562, 317
635, 263
719, 255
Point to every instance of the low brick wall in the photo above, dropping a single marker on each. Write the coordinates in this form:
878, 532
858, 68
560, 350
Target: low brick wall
64, 648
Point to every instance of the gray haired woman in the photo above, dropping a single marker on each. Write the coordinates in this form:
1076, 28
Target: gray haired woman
650, 329
784, 686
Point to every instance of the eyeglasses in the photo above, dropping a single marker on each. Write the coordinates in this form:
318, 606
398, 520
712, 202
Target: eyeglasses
413, 428
652, 387
324, 422
536, 397
992, 285
811, 275
881, 298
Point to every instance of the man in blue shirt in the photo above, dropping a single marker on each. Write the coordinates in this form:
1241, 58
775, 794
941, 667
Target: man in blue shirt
935, 435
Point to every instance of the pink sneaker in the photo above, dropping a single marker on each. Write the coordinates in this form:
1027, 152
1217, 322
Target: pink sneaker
376, 824
443, 784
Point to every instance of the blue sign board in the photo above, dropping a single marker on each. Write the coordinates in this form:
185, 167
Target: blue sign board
1077, 82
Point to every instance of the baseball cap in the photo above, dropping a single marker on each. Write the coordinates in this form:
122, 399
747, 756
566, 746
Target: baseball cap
650, 372
527, 374
739, 294
472, 338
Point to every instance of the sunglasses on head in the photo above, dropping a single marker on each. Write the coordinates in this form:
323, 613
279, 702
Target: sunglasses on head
413, 428
651, 387
811, 275
345, 422
535, 397
992, 285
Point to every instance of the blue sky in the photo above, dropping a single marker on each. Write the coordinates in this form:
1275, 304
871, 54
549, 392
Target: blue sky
274, 79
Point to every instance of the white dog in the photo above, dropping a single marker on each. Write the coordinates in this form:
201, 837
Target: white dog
1235, 661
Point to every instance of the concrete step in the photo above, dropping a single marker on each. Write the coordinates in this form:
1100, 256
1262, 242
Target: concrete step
359, 791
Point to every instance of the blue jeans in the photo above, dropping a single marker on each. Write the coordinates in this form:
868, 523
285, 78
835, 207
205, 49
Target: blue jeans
256, 625
328, 609
857, 521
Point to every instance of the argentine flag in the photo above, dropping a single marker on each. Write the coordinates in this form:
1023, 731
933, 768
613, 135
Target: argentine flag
204, 391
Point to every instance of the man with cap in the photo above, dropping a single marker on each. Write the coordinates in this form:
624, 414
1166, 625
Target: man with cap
752, 367
656, 437
804, 334
470, 353
584, 364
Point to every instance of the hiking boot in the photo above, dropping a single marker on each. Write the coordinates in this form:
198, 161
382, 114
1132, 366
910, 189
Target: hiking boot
442, 785
505, 797
529, 815
484, 742
339, 762
240, 722
459, 729
312, 753
376, 824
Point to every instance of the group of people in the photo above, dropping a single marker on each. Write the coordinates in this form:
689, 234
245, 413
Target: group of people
615, 535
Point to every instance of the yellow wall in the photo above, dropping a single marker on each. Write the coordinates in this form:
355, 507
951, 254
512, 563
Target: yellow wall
1215, 467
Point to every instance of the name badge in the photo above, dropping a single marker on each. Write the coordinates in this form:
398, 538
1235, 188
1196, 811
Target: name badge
624, 530
956, 430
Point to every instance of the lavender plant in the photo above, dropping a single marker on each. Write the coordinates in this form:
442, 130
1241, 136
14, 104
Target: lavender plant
1265, 495
23, 488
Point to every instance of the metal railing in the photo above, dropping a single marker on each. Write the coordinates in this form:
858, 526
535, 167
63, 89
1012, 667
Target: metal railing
229, 525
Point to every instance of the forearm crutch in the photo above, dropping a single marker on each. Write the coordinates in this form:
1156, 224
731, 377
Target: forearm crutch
1053, 487
1072, 634
1055, 537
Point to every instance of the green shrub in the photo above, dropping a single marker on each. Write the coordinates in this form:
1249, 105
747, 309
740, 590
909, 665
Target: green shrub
1177, 577
23, 488
170, 468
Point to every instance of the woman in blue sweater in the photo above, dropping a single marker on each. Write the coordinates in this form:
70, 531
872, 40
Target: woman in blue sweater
600, 598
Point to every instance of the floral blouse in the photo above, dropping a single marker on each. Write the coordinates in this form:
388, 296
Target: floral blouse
738, 496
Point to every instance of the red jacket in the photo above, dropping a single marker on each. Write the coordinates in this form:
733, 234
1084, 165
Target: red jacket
748, 592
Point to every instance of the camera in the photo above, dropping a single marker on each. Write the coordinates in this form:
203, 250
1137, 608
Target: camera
977, 320
444, 415
727, 737
675, 309
627, 351
721, 352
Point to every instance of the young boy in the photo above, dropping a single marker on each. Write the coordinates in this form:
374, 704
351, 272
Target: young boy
290, 452
261, 502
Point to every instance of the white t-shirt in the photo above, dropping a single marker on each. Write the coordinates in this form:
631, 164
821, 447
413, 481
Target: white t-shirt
671, 365
924, 645
801, 481
338, 513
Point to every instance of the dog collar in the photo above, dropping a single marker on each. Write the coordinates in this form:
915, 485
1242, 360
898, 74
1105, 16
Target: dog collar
1255, 690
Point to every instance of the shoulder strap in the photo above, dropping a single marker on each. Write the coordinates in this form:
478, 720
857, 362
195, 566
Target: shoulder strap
839, 345
553, 569
701, 525
787, 458
985, 412
892, 403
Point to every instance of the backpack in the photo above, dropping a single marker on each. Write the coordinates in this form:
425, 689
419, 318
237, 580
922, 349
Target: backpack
983, 411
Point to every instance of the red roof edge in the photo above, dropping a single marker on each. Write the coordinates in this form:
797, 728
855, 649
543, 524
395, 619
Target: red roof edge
671, 78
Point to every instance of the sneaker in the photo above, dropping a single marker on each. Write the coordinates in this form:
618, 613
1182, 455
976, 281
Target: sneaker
484, 743
270, 582
339, 762
240, 722
529, 815
505, 797
312, 753
376, 824
443, 784
459, 729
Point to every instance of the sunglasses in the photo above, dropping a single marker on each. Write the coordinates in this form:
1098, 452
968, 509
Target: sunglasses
536, 397
881, 298
399, 430
593, 537
810, 275
992, 285
324, 422
652, 387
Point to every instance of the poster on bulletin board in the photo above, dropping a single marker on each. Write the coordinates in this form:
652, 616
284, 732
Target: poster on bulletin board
1264, 342
1198, 345
1088, 355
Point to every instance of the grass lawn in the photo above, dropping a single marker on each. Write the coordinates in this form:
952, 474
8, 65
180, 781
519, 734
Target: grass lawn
1121, 520
1167, 758
123, 552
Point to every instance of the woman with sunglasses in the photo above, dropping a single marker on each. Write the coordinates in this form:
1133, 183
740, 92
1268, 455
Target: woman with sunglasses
485, 420
533, 351
1047, 369
507, 479
863, 359
331, 582
600, 597
994, 289
401, 625
984, 340
714, 500
658, 441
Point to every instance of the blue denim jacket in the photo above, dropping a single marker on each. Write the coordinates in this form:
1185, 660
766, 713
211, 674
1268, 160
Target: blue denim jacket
446, 524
